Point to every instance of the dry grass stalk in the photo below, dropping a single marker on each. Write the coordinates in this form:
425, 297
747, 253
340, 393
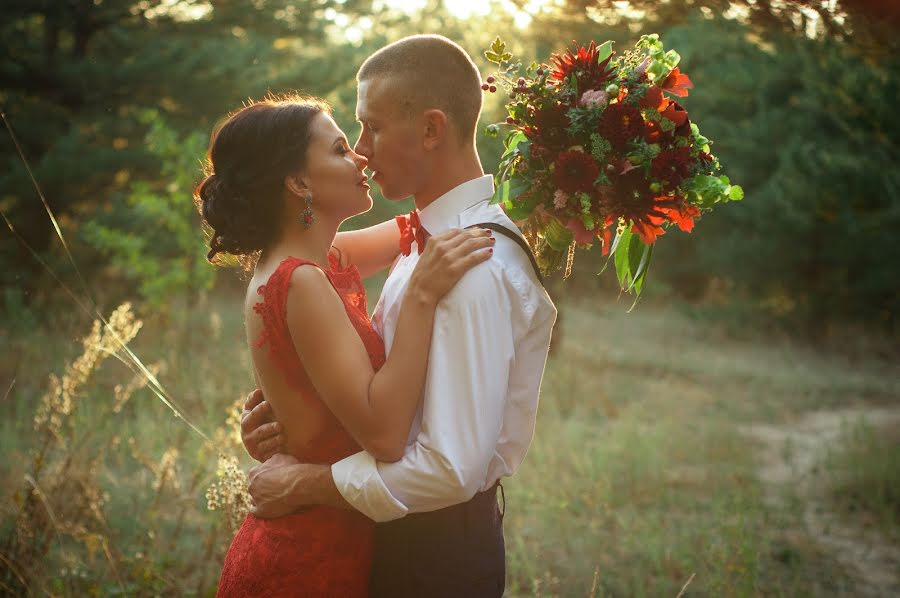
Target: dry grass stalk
62, 496
229, 492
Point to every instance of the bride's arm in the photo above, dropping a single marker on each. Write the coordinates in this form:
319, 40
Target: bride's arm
370, 249
377, 408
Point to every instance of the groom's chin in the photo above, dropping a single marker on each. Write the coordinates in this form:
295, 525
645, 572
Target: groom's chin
391, 195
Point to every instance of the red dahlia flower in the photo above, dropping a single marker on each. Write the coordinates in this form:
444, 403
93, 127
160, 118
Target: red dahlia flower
584, 64
649, 229
630, 196
672, 166
551, 122
620, 123
575, 171
683, 215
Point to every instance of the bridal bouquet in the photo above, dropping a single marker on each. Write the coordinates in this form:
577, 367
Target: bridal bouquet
599, 150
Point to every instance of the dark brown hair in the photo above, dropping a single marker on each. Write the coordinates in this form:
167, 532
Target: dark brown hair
250, 154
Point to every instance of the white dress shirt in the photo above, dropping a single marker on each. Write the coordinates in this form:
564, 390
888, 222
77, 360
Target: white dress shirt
488, 350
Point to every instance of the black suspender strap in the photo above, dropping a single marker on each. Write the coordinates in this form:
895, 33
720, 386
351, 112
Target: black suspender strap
518, 239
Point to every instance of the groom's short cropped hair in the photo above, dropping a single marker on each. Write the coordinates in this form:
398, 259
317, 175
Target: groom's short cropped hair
431, 72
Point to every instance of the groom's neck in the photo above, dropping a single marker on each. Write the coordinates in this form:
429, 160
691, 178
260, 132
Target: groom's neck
450, 173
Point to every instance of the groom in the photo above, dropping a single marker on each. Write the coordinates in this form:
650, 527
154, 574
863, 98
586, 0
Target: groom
440, 527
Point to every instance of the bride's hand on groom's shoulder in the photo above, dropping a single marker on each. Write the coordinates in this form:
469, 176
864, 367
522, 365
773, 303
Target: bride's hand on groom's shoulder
260, 433
446, 258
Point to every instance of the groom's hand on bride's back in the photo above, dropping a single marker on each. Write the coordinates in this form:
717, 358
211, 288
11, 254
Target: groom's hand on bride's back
260, 433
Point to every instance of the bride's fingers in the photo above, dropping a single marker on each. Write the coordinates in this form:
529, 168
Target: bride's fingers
476, 257
453, 244
270, 446
253, 399
456, 236
259, 442
256, 417
470, 245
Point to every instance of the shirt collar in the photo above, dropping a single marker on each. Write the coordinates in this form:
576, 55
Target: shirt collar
442, 214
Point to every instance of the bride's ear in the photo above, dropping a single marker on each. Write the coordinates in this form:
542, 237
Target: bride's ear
295, 185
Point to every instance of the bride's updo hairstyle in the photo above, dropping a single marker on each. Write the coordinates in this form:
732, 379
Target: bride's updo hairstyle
250, 154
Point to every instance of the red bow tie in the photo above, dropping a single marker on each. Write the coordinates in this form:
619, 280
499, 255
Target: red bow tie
411, 230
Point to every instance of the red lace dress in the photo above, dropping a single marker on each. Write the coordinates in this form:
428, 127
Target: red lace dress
319, 551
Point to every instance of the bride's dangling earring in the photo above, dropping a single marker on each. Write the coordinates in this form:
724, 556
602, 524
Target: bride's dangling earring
307, 217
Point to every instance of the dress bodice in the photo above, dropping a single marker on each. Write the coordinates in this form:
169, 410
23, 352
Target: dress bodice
332, 442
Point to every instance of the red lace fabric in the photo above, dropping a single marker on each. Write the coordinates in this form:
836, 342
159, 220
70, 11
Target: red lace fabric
319, 551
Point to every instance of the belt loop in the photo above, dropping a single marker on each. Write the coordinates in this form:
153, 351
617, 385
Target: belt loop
503, 499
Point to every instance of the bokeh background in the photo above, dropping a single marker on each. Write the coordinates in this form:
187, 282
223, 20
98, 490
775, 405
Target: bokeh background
736, 434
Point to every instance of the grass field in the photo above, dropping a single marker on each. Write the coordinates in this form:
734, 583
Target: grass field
642, 477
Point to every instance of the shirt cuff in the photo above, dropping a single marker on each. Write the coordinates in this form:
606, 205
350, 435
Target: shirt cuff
357, 479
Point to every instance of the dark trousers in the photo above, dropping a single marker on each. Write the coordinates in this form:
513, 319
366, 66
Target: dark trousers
453, 552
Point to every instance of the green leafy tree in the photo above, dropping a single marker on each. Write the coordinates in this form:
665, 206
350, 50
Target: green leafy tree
76, 76
151, 234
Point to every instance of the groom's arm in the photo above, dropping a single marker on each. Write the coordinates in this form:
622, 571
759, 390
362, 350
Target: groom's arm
279, 489
467, 384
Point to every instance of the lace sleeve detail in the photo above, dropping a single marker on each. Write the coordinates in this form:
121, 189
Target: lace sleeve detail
350, 282
276, 335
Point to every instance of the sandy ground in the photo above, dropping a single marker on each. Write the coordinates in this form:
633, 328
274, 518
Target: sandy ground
791, 454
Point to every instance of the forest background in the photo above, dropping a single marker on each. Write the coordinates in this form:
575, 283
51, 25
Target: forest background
649, 469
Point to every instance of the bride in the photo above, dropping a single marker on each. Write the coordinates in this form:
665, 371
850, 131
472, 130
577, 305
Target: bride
282, 179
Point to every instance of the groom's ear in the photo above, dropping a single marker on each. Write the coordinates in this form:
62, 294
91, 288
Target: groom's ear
436, 128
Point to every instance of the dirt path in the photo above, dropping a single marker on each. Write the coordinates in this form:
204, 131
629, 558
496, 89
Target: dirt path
791, 454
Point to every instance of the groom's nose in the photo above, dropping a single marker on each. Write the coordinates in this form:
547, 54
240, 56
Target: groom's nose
362, 147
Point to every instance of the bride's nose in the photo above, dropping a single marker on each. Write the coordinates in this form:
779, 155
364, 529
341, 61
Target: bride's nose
361, 161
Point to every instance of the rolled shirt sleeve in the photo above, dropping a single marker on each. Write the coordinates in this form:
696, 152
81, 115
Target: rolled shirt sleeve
472, 349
